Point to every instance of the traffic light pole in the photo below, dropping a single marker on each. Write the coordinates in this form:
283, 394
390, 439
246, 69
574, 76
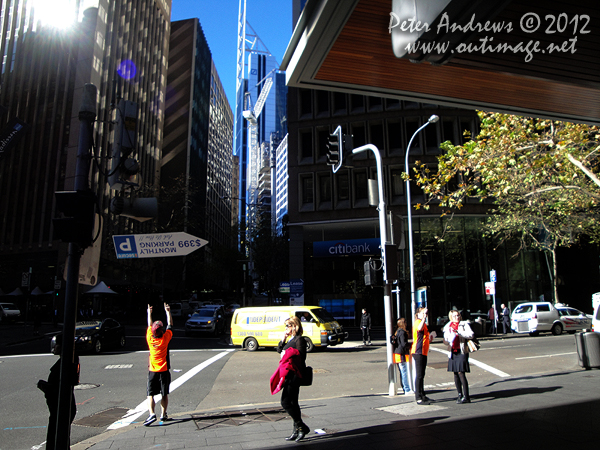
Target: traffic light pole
87, 115
387, 288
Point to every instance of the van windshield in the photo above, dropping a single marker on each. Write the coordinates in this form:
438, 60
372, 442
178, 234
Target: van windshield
322, 315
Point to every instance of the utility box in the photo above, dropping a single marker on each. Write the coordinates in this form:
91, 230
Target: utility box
588, 349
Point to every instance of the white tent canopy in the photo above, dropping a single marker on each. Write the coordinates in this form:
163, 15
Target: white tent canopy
38, 291
17, 291
101, 288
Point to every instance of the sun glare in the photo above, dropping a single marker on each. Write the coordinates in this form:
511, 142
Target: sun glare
55, 13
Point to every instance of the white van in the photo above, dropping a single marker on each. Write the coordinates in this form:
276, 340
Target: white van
264, 326
534, 317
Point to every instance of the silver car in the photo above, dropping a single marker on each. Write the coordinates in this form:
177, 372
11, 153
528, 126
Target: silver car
573, 320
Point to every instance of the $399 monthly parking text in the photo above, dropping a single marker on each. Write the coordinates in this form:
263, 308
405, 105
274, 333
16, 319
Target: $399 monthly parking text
551, 24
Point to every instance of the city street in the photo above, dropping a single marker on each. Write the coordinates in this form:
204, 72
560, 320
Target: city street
208, 374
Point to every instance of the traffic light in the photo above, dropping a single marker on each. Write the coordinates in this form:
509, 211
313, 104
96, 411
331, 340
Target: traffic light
140, 209
123, 167
337, 144
335, 147
78, 209
370, 277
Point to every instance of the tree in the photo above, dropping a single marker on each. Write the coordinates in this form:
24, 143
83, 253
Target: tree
539, 177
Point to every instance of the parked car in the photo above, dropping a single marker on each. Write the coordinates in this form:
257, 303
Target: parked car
96, 336
207, 319
574, 320
534, 317
9, 312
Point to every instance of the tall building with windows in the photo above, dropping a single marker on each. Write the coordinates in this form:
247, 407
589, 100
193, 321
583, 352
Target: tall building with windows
119, 46
198, 152
255, 65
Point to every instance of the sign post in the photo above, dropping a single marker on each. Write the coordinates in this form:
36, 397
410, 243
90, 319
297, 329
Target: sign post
492, 282
156, 245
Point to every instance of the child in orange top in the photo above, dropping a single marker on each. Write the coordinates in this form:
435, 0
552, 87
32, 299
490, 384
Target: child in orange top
159, 377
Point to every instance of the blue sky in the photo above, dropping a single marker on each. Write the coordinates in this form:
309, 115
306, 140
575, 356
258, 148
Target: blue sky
271, 19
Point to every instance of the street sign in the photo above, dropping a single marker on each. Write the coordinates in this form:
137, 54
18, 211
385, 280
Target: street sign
284, 287
156, 245
490, 288
493, 276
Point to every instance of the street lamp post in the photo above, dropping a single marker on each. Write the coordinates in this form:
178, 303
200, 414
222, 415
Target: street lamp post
387, 289
432, 119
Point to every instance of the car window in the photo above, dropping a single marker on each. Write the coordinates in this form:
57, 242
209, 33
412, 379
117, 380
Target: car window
523, 309
563, 312
543, 308
574, 312
204, 313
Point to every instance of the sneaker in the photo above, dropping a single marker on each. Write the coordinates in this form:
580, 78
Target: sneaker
422, 402
164, 417
150, 419
409, 393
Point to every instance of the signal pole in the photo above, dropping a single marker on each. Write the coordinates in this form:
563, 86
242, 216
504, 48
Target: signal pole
87, 115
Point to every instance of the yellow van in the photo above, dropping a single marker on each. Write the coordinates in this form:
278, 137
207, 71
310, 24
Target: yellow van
263, 326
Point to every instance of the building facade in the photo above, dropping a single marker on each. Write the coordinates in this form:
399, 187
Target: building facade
121, 47
198, 154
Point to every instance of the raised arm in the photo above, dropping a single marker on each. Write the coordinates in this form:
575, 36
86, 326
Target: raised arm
149, 315
169, 318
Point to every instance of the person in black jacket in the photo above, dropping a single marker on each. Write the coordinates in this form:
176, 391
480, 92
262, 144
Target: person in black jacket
402, 356
50, 389
365, 326
292, 338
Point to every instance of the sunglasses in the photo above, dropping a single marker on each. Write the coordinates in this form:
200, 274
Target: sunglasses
287, 325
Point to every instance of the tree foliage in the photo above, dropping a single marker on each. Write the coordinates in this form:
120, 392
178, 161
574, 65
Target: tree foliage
540, 177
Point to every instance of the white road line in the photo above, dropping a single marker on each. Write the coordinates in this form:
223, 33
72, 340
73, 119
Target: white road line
476, 363
547, 356
133, 414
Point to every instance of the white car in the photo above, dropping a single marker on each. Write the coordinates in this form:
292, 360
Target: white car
535, 317
9, 312
573, 320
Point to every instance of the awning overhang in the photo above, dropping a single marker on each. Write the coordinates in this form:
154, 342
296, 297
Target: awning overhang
345, 45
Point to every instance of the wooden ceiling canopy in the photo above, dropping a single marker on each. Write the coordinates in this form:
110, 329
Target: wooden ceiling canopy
345, 45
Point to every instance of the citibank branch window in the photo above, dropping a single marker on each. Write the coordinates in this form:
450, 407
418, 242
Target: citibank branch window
342, 189
305, 145
307, 192
397, 185
324, 191
394, 136
361, 188
412, 124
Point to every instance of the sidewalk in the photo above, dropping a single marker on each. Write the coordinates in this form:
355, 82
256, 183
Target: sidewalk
558, 410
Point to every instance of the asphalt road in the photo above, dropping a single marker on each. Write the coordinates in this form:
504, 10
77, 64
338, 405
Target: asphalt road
209, 374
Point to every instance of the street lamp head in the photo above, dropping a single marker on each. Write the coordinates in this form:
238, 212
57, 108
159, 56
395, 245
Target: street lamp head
433, 119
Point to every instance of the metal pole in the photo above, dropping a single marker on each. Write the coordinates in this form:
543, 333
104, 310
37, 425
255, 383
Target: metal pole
87, 115
411, 262
387, 289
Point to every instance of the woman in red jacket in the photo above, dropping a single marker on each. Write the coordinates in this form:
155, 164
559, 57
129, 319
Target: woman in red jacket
292, 339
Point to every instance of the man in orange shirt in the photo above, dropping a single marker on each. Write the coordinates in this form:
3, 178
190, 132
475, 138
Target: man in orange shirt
159, 377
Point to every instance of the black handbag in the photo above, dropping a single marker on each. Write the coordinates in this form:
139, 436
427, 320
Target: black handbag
307, 377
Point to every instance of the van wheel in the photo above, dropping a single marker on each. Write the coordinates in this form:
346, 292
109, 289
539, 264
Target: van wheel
251, 344
557, 329
309, 345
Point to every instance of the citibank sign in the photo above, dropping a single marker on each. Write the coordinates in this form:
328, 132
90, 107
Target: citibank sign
352, 247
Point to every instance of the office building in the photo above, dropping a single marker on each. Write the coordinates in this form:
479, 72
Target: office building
121, 47
198, 156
